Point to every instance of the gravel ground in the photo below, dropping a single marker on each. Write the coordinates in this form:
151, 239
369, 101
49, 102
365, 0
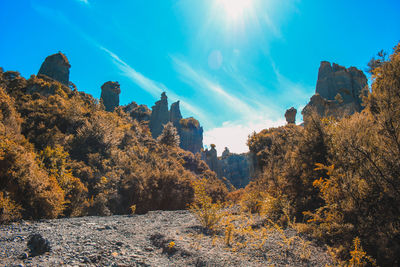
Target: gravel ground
142, 240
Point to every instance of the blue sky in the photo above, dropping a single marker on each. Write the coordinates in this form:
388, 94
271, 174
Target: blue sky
236, 65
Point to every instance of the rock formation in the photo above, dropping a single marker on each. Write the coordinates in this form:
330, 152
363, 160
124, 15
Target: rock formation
290, 115
159, 116
235, 168
56, 67
338, 91
191, 134
110, 95
175, 115
189, 129
211, 158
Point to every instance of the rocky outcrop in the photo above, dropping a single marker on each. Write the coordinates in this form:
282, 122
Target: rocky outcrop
338, 91
175, 115
328, 108
189, 129
211, 158
159, 116
56, 67
235, 168
290, 115
138, 112
110, 95
191, 134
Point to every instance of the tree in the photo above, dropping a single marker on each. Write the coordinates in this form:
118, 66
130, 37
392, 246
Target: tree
169, 135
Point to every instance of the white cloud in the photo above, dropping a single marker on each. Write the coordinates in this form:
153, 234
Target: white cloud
234, 135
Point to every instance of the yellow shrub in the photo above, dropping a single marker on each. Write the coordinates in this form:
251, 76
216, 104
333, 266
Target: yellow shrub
208, 213
9, 210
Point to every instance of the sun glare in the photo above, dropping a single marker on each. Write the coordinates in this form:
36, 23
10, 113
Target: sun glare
235, 9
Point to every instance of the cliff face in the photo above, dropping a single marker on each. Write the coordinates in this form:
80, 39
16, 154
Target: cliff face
237, 168
338, 91
191, 134
56, 67
159, 116
189, 129
110, 95
211, 158
175, 115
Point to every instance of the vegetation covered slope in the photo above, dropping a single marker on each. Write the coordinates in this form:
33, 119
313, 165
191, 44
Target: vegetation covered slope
341, 178
62, 154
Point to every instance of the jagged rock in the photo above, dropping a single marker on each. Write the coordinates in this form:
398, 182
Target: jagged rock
56, 67
290, 115
211, 158
175, 115
110, 95
338, 91
191, 134
138, 112
189, 129
226, 153
159, 116
235, 168
38, 245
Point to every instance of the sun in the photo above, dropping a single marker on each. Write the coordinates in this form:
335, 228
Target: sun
235, 9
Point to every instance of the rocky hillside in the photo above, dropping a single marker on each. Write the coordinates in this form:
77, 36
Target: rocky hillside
62, 153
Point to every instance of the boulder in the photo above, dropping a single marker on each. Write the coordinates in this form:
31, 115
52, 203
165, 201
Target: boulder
56, 67
290, 115
37, 245
110, 95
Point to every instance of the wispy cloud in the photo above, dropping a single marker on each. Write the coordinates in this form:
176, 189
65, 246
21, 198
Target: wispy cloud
198, 79
295, 91
272, 26
252, 113
86, 2
151, 86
